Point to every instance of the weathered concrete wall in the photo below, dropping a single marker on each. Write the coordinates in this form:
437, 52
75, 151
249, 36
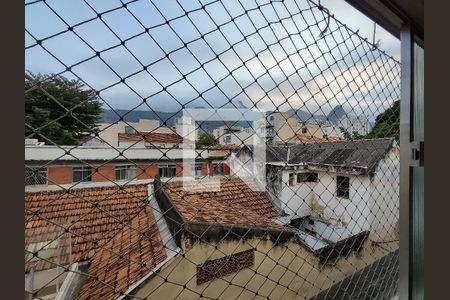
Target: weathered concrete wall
297, 199
286, 271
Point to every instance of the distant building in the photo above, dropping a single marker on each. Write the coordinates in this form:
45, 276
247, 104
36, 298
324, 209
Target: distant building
60, 165
234, 135
281, 127
331, 130
301, 138
108, 132
152, 140
186, 128
353, 123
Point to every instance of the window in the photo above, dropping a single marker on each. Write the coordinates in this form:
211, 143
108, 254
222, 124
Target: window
81, 174
129, 130
34, 176
291, 178
216, 268
312, 177
125, 172
167, 171
218, 169
197, 170
307, 177
227, 139
343, 187
304, 130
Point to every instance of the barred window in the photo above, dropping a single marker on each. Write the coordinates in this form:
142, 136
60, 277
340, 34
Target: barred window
127, 172
224, 266
82, 174
343, 187
35, 176
167, 171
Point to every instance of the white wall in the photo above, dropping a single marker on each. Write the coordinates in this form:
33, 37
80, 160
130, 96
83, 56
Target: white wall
355, 211
385, 196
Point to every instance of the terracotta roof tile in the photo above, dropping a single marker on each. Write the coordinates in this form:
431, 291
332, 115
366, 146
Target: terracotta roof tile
235, 204
152, 137
311, 139
93, 214
126, 259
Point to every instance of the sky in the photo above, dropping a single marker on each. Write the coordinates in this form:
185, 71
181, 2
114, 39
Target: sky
267, 54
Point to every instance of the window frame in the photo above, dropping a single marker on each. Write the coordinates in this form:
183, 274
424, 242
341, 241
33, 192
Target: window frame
125, 169
292, 179
82, 170
215, 165
340, 180
167, 167
194, 170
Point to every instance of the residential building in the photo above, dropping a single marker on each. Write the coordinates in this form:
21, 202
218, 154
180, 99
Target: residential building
108, 133
281, 127
151, 140
332, 130
175, 243
59, 165
301, 138
352, 184
353, 123
186, 128
234, 135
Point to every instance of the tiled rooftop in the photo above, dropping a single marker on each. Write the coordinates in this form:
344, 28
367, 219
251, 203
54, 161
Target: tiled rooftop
93, 214
311, 139
152, 137
133, 253
235, 204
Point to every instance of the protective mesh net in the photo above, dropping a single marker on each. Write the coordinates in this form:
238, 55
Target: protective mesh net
113, 209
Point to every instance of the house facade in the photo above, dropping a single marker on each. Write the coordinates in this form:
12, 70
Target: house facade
57, 165
349, 184
108, 132
282, 128
223, 246
235, 135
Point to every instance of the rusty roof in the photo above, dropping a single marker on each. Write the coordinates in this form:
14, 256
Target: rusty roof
234, 204
152, 137
312, 139
93, 215
133, 253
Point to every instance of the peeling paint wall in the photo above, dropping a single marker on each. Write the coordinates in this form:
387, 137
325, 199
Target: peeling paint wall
287, 271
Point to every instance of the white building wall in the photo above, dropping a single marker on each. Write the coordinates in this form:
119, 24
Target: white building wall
355, 211
296, 199
385, 197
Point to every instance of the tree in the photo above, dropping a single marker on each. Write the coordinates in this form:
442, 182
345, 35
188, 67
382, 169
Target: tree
59, 110
351, 136
206, 139
387, 124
